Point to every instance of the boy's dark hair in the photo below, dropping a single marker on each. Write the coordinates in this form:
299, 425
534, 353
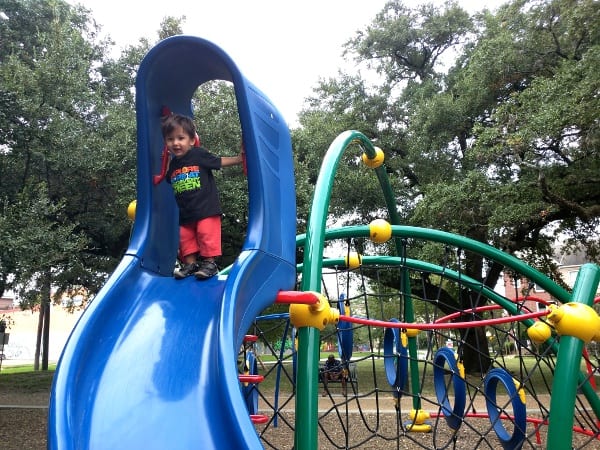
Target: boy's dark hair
172, 121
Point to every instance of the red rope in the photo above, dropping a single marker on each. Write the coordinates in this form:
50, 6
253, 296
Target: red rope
438, 326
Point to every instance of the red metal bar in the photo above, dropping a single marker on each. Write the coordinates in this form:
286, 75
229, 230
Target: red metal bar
440, 326
259, 418
251, 378
533, 420
298, 297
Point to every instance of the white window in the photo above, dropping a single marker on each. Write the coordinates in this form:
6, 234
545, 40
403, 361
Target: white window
571, 277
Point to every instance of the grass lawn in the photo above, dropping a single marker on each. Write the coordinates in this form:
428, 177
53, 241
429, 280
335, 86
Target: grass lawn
539, 376
364, 374
24, 379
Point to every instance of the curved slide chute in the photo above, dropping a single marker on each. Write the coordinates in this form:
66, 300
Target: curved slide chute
152, 362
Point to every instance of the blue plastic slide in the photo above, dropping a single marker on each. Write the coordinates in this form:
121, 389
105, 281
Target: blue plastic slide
151, 363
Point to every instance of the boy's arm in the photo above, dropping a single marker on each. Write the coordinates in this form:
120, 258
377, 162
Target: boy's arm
227, 161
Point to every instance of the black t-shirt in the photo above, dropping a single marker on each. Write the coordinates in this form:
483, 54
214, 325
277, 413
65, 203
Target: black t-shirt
194, 185
333, 365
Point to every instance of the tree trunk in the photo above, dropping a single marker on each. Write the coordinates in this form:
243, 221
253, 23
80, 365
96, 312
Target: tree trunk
38, 339
46, 326
42, 343
46, 335
475, 351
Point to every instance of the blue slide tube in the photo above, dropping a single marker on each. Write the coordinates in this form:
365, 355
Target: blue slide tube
152, 362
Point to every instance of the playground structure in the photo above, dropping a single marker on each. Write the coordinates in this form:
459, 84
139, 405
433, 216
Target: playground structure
534, 385
152, 363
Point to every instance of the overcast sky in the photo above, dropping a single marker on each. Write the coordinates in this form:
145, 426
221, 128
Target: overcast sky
281, 46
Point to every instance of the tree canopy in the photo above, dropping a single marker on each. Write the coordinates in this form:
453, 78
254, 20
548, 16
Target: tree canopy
66, 159
489, 123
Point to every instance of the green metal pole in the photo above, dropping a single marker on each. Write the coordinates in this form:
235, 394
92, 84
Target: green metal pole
409, 315
568, 363
307, 403
306, 436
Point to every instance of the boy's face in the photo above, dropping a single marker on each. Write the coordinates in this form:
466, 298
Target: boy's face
179, 142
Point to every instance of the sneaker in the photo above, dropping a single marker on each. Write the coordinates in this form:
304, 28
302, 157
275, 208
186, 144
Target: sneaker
206, 269
185, 271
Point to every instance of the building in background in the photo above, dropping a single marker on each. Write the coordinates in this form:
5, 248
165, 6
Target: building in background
517, 289
23, 327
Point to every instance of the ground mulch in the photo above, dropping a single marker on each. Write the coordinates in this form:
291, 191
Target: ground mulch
23, 420
23, 426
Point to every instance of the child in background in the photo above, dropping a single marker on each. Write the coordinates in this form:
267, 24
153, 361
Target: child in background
190, 174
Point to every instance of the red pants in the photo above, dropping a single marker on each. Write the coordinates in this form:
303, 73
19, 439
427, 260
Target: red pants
202, 237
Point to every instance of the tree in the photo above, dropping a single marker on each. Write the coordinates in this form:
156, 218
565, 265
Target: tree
59, 179
500, 145
68, 152
40, 244
506, 146
543, 136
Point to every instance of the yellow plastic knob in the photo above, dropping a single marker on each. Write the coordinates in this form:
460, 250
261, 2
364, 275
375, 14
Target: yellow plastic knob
539, 332
376, 161
131, 209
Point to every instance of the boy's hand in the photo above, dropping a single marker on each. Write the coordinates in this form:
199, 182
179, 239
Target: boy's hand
243, 156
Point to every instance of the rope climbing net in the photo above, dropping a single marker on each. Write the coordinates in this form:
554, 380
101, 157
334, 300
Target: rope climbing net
440, 358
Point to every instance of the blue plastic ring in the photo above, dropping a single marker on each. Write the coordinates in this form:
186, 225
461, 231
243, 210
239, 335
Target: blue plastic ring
345, 334
454, 416
395, 358
519, 410
251, 389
